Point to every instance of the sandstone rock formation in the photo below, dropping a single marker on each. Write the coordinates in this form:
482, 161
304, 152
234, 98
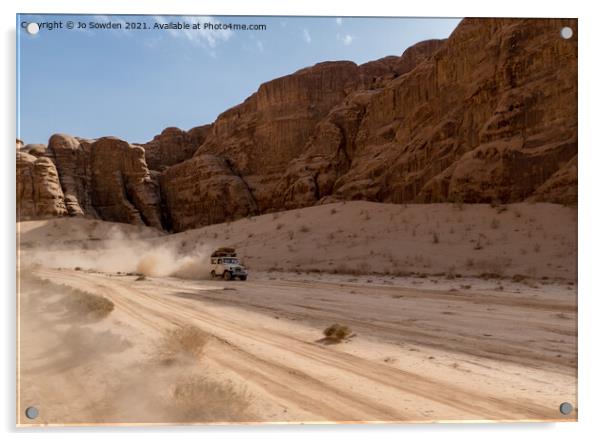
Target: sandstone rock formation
173, 146
39, 193
106, 178
204, 190
488, 115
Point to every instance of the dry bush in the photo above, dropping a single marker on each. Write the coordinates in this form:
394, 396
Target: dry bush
279, 226
87, 304
196, 398
495, 224
435, 237
337, 333
333, 211
140, 278
186, 341
517, 278
304, 229
458, 203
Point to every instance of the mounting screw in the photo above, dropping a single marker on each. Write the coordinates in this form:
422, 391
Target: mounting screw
566, 32
566, 408
32, 28
31, 413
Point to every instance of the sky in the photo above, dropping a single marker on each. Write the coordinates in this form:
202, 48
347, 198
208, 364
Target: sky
133, 83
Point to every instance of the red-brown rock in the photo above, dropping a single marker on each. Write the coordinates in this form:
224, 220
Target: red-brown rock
39, 193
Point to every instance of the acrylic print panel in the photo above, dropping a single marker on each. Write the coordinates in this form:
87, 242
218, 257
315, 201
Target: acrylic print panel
296, 219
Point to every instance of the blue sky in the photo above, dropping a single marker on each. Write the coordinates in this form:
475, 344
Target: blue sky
134, 83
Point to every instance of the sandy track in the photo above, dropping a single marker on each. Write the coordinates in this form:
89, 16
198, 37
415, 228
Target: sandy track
419, 354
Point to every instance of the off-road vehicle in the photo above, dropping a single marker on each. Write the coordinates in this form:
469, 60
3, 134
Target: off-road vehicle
226, 265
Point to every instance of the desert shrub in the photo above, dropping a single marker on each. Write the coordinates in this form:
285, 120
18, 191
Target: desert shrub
183, 341
333, 211
304, 229
435, 237
495, 224
87, 304
337, 332
196, 398
451, 273
490, 275
78, 268
517, 278
458, 202
279, 226
140, 278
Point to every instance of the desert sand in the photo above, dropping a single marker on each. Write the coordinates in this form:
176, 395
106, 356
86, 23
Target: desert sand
458, 312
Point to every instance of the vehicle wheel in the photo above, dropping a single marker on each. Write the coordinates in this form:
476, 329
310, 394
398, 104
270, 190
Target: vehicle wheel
227, 275
243, 277
213, 274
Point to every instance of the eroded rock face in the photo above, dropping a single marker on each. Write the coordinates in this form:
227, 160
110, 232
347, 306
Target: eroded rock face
39, 193
106, 178
488, 115
561, 188
204, 191
173, 146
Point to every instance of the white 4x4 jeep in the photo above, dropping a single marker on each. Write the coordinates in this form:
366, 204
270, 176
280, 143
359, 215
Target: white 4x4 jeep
227, 266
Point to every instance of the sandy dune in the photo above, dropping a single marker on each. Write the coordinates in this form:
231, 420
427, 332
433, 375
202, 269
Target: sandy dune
427, 346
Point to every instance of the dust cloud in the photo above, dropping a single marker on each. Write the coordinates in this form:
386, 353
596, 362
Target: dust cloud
119, 252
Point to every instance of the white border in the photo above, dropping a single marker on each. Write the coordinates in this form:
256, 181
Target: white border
590, 222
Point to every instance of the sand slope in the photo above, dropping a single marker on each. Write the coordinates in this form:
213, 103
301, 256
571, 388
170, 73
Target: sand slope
533, 240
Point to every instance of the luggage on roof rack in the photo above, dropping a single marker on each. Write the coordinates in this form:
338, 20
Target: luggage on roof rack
224, 252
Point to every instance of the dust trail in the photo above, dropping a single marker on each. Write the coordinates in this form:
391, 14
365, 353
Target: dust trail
165, 261
119, 252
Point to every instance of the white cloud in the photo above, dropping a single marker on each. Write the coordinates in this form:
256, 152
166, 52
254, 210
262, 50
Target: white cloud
345, 39
260, 46
306, 36
339, 21
203, 37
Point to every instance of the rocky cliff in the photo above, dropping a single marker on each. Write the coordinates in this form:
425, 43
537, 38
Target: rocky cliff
488, 115
173, 146
105, 178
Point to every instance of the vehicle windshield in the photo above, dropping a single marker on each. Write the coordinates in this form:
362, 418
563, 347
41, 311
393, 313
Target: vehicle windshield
231, 261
